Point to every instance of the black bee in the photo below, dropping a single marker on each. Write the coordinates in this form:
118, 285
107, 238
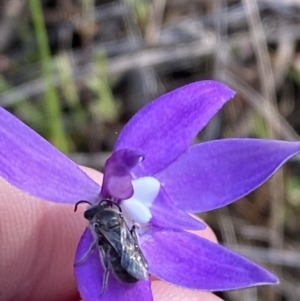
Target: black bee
117, 244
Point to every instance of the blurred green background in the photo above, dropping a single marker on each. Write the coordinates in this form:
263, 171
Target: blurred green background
76, 71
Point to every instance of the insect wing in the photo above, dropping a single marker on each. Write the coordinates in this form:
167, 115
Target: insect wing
135, 264
132, 259
113, 231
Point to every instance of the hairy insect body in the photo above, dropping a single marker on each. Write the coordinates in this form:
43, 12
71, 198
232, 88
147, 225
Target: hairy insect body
118, 245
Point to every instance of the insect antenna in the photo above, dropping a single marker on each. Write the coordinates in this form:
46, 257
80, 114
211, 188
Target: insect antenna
80, 202
111, 204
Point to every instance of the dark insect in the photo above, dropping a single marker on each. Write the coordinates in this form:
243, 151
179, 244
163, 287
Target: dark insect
117, 244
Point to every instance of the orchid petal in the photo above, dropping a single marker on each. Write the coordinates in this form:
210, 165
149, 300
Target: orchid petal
33, 165
166, 215
150, 204
164, 128
188, 260
117, 176
213, 174
90, 272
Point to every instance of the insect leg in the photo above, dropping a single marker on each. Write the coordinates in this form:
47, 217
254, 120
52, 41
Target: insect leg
104, 254
88, 252
133, 229
104, 282
133, 232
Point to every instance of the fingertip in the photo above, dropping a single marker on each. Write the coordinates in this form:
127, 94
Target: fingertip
38, 242
206, 233
93, 174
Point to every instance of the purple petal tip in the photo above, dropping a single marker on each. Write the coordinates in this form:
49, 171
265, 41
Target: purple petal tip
168, 125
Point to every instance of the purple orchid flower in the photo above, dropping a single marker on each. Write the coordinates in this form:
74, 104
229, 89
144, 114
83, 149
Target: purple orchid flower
158, 178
